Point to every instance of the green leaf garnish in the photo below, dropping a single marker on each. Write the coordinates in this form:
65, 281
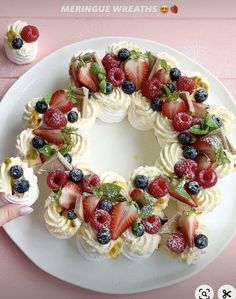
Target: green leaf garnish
179, 189
96, 70
164, 65
110, 190
48, 150
208, 125
68, 142
71, 95
150, 199
146, 211
103, 86
221, 157
47, 98
173, 96
167, 90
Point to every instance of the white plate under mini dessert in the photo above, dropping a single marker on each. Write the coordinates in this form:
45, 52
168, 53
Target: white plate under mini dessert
116, 147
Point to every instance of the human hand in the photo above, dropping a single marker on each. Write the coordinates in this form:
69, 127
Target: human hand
12, 211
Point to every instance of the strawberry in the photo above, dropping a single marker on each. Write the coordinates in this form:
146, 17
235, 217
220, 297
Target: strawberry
138, 196
90, 203
86, 78
210, 146
203, 162
171, 108
123, 215
174, 9
200, 109
50, 135
185, 199
136, 70
188, 226
69, 194
54, 118
162, 76
59, 100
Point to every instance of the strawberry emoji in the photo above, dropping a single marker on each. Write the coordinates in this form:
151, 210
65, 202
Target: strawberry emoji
174, 9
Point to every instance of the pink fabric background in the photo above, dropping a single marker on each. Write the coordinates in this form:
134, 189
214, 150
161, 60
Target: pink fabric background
203, 30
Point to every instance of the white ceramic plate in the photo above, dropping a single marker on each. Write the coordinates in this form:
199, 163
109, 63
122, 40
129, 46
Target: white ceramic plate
128, 150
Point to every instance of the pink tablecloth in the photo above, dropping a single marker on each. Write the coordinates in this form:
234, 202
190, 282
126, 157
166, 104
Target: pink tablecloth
205, 33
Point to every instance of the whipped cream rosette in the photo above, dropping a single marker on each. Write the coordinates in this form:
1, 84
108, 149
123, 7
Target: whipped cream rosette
226, 116
116, 47
18, 184
21, 42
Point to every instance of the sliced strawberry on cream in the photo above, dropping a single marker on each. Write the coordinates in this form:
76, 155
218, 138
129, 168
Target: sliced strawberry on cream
171, 108
90, 203
188, 226
69, 194
86, 78
50, 135
60, 100
137, 71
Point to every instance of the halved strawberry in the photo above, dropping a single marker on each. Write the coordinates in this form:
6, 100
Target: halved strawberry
123, 215
187, 200
90, 203
59, 100
162, 76
200, 109
69, 194
137, 70
171, 108
203, 162
138, 196
188, 226
73, 77
209, 145
86, 78
53, 136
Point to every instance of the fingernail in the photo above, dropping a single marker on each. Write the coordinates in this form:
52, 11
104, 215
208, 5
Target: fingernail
25, 211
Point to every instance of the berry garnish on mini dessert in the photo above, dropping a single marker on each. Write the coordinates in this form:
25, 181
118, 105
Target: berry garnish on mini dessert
200, 109
179, 193
60, 100
217, 120
109, 88
201, 95
21, 186
69, 194
182, 121
203, 162
56, 179
185, 83
185, 138
162, 76
54, 118
128, 87
106, 204
90, 181
16, 171
104, 236
138, 229
207, 178
110, 61
30, 33
123, 54
158, 187
90, 203
116, 76
41, 107
201, 241
188, 226
76, 175
71, 215
190, 153
156, 104
123, 216
54, 136
175, 74
17, 43
72, 117
171, 108
101, 219
193, 187
186, 168
137, 195
141, 181
170, 86
152, 89
152, 224
176, 243
136, 70
87, 78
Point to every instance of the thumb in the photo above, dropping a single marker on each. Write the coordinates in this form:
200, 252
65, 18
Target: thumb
12, 211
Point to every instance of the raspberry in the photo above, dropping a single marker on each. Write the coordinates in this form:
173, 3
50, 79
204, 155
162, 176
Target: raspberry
185, 83
152, 89
182, 121
152, 224
186, 168
30, 33
89, 181
101, 219
158, 187
110, 60
54, 118
116, 76
176, 243
56, 179
206, 178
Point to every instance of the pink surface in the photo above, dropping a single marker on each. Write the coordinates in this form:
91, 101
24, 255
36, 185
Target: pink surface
198, 33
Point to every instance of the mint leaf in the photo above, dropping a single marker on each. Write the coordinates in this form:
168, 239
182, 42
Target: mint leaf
48, 150
96, 70
221, 157
173, 96
103, 86
179, 189
197, 129
208, 125
47, 98
108, 190
68, 142
71, 95
146, 211
150, 199
164, 65
167, 90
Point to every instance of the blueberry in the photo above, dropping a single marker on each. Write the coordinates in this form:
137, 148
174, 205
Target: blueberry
123, 54
201, 95
106, 205
68, 158
72, 116
193, 188
38, 142
76, 175
41, 106
171, 87
104, 236
17, 43
156, 104
138, 229
71, 215
21, 186
141, 181
190, 153
109, 88
175, 74
128, 87
201, 241
185, 138
217, 120
16, 171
